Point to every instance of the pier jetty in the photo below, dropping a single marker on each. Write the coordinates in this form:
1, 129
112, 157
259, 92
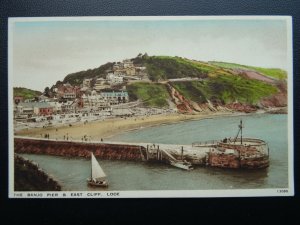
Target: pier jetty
252, 154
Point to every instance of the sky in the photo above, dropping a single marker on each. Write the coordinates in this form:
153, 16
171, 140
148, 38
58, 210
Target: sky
44, 51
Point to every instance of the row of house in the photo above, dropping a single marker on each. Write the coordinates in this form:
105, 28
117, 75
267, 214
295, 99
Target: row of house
65, 98
105, 99
87, 102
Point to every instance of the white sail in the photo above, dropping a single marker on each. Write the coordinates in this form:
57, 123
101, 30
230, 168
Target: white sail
97, 172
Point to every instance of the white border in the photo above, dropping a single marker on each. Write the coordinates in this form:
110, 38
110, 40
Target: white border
290, 104
289, 191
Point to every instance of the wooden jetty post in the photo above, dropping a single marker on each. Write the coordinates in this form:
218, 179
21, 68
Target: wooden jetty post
159, 153
142, 155
181, 152
147, 157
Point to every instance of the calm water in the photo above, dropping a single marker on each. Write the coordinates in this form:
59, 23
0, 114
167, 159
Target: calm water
126, 175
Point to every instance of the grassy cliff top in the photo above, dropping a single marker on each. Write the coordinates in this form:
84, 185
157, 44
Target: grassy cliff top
152, 94
26, 93
225, 89
271, 72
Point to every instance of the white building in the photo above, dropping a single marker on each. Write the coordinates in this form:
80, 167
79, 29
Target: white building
69, 106
127, 63
86, 83
100, 84
56, 106
115, 98
95, 102
114, 79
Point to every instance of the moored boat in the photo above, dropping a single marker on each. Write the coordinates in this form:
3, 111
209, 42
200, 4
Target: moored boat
182, 164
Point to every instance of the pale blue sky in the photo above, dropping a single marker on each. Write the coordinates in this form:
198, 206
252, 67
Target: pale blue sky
46, 51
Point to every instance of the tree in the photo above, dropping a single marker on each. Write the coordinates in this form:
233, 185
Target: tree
47, 92
145, 56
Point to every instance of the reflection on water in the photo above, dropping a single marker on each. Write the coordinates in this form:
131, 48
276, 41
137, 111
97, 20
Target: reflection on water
127, 175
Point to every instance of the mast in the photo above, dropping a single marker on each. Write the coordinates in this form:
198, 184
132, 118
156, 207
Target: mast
97, 171
91, 166
241, 128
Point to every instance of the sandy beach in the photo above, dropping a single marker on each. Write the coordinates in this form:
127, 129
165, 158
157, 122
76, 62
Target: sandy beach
98, 130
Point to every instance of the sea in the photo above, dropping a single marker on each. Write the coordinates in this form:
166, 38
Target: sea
72, 173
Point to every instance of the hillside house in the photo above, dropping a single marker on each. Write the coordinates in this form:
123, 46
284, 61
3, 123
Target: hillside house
127, 63
95, 102
117, 66
115, 98
86, 83
100, 84
43, 109
18, 99
69, 106
113, 79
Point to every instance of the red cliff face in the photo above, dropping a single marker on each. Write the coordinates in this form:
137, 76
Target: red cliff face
278, 100
75, 149
186, 106
241, 107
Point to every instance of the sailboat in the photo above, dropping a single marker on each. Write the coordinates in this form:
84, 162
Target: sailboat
98, 177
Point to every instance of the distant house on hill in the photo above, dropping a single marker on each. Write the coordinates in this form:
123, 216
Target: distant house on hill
68, 92
18, 99
130, 71
114, 79
100, 84
117, 66
127, 63
86, 83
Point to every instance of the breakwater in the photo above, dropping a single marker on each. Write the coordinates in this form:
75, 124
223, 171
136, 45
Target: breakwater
78, 149
253, 155
29, 177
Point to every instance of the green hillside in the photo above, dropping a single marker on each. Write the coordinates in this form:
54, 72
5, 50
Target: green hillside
152, 94
271, 72
78, 77
218, 84
166, 67
26, 93
225, 89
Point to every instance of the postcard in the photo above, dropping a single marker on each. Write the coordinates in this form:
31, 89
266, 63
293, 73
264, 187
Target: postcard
140, 107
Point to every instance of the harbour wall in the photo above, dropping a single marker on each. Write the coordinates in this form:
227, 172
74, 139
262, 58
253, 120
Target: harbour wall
123, 151
235, 162
78, 149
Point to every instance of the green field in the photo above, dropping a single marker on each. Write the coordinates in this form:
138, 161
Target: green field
166, 67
